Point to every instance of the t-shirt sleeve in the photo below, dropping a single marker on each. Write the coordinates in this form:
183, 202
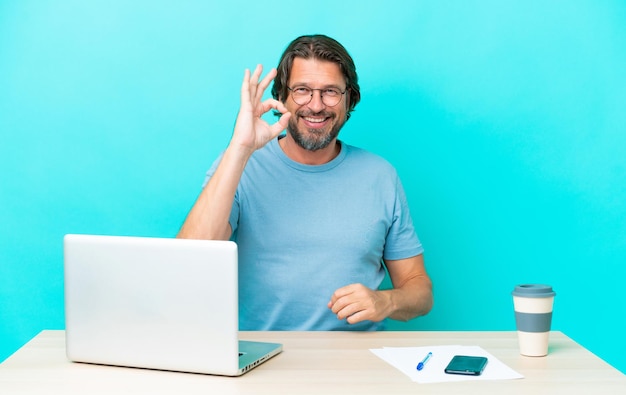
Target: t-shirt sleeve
402, 241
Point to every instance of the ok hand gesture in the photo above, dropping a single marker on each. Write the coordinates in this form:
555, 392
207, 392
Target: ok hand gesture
251, 131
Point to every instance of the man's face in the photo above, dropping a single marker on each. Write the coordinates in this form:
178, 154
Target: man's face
315, 125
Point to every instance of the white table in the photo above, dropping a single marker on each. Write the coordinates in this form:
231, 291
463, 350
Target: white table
318, 363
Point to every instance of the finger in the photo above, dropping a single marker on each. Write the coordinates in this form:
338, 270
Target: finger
245, 88
358, 317
265, 82
283, 121
340, 304
334, 298
270, 104
281, 124
345, 291
349, 310
254, 81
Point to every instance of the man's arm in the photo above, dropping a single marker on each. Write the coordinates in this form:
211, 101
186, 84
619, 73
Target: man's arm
411, 296
208, 218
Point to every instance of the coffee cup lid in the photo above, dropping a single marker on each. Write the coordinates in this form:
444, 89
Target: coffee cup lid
533, 291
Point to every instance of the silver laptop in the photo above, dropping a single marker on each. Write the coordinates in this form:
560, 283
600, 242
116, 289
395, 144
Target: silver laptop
168, 304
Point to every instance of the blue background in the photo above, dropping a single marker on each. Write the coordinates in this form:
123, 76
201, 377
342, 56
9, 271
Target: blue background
505, 120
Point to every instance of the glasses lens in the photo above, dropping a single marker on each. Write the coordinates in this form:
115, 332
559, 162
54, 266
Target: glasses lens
302, 100
331, 99
303, 95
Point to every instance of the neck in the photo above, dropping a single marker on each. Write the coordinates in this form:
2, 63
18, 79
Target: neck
298, 154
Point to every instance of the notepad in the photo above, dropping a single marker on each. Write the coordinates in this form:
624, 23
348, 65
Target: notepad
406, 360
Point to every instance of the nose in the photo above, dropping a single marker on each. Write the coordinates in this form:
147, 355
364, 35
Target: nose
316, 104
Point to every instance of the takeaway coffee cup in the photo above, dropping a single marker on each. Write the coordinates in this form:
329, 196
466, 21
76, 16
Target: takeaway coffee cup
533, 315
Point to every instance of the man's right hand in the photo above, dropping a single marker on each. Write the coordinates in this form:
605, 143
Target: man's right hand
208, 218
251, 131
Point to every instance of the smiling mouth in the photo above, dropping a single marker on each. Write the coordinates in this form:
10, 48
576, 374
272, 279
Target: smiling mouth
315, 119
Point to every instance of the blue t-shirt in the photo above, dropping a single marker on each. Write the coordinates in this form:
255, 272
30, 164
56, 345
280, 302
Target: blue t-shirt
304, 231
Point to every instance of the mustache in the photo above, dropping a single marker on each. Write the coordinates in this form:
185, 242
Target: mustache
304, 113
324, 114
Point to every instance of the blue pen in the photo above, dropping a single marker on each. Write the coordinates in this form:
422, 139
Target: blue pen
421, 365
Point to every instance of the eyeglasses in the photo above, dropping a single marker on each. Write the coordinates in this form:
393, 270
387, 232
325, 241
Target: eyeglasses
303, 95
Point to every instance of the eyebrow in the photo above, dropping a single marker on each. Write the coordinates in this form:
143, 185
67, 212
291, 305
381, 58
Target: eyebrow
298, 84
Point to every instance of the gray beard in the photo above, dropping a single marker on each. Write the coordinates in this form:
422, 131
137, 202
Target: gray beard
314, 140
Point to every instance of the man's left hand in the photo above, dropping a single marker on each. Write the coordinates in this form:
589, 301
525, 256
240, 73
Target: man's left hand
358, 303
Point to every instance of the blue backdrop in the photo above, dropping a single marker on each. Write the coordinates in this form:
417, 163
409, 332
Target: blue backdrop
504, 119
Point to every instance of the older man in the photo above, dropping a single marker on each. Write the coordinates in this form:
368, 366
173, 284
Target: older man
316, 220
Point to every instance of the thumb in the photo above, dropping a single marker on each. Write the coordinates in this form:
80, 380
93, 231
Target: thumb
281, 124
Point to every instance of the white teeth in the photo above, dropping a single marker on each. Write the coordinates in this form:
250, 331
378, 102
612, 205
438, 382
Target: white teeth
314, 120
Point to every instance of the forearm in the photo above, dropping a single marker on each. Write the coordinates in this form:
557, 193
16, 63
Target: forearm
411, 296
412, 299
208, 218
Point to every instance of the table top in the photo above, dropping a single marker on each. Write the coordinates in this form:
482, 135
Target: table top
318, 363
